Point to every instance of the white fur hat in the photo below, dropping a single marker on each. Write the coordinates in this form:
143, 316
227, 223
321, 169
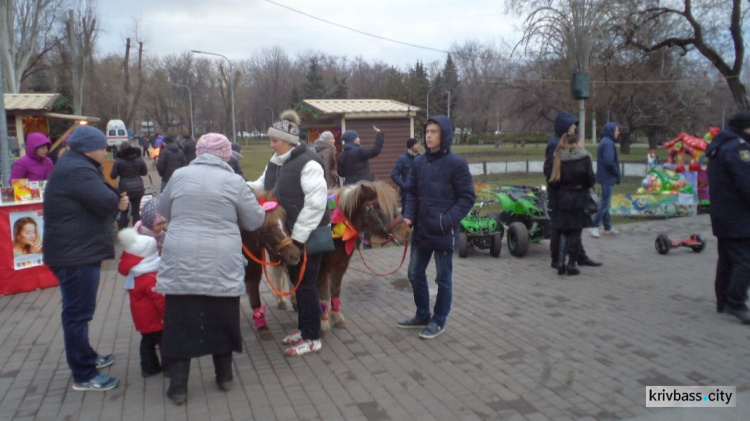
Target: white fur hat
137, 244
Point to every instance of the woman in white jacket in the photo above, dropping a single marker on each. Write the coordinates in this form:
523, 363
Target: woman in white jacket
202, 268
295, 172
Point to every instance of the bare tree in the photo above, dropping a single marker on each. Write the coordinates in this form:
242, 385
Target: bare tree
77, 47
26, 31
566, 29
696, 25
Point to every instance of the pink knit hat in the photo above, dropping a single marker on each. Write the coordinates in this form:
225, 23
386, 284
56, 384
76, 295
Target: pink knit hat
215, 144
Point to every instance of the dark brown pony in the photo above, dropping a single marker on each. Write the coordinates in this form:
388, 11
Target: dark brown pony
275, 238
372, 208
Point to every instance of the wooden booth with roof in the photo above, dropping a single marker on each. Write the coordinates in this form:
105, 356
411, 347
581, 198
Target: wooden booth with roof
22, 269
394, 118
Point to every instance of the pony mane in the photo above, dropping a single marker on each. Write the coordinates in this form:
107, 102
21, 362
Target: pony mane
274, 216
351, 196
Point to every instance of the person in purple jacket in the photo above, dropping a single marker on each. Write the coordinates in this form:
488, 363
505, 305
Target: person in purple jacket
35, 165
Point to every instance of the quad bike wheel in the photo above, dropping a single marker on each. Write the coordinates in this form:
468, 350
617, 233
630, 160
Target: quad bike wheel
496, 245
463, 244
518, 239
663, 244
699, 247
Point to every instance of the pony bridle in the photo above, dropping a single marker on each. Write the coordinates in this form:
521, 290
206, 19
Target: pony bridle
287, 241
371, 211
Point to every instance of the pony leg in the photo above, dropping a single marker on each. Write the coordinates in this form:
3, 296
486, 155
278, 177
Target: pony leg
337, 317
325, 326
276, 276
253, 273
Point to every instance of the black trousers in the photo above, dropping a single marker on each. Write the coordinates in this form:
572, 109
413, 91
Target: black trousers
732, 273
149, 357
178, 371
308, 318
135, 210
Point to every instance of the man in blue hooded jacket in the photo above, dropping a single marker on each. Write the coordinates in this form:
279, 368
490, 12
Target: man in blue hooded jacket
440, 192
607, 175
564, 123
729, 184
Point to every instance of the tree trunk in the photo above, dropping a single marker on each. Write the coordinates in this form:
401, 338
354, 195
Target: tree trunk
739, 93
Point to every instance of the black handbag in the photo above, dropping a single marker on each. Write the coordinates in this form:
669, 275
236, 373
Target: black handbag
592, 203
320, 240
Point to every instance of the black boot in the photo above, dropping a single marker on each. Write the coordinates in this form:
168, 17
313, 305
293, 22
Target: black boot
223, 370
573, 269
149, 359
178, 371
562, 251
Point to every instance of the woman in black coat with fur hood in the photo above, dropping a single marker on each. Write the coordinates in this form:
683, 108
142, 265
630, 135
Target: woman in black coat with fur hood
573, 176
129, 167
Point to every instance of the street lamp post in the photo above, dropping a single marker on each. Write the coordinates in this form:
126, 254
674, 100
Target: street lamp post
231, 87
449, 104
272, 115
190, 101
428, 105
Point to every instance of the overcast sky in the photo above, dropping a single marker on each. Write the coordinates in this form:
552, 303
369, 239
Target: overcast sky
239, 28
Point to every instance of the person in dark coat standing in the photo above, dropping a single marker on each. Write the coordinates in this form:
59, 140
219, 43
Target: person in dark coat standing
234, 160
607, 175
401, 170
729, 184
79, 208
564, 123
572, 176
325, 146
354, 162
129, 167
171, 158
188, 149
440, 192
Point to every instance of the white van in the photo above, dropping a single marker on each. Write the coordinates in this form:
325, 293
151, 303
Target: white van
116, 134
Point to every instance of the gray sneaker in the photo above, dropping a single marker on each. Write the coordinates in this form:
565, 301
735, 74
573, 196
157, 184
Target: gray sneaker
412, 323
100, 383
433, 330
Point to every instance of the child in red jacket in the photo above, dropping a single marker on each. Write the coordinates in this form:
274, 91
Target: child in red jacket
140, 262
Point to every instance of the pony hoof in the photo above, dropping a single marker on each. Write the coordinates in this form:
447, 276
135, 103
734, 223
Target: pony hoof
340, 325
264, 330
325, 327
281, 305
295, 307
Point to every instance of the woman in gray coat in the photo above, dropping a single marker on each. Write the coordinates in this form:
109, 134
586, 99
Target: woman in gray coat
202, 268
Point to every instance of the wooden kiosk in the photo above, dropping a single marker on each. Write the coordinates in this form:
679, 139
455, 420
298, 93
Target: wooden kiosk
20, 271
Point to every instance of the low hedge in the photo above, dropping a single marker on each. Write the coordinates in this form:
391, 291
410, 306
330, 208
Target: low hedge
508, 138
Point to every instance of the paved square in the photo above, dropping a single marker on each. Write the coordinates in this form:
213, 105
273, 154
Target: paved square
521, 342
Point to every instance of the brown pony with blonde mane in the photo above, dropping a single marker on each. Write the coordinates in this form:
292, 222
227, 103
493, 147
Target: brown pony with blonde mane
372, 209
274, 237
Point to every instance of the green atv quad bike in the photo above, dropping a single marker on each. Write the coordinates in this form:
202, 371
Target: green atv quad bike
524, 216
481, 230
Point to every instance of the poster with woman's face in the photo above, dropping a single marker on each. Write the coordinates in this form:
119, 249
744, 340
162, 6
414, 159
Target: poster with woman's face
26, 229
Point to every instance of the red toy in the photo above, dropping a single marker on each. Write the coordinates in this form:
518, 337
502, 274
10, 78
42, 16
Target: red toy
696, 242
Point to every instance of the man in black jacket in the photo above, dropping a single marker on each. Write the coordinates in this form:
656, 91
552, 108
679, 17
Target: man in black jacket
79, 211
188, 149
564, 123
401, 170
729, 184
170, 160
354, 162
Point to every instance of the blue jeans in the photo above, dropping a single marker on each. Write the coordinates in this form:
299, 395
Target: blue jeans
78, 286
603, 214
418, 262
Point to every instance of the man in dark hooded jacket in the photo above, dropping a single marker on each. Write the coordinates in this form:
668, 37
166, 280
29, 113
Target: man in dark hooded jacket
440, 192
354, 162
170, 160
188, 149
401, 170
564, 123
607, 175
729, 184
